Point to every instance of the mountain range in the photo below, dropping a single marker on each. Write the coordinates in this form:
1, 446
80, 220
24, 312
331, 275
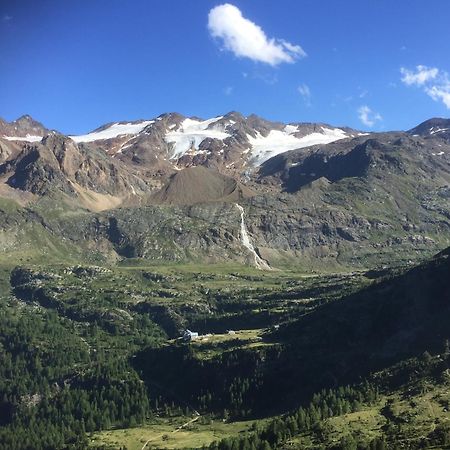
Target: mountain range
172, 188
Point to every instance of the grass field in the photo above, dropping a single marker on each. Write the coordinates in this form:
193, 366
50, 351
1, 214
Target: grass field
409, 417
165, 433
208, 346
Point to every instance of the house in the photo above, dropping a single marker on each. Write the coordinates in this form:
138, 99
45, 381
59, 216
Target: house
190, 335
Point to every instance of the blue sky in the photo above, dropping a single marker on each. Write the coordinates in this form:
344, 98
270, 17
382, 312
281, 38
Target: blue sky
75, 65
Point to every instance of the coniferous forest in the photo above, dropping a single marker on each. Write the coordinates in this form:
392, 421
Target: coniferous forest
81, 358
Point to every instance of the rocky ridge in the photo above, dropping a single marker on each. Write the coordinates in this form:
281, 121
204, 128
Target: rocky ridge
355, 201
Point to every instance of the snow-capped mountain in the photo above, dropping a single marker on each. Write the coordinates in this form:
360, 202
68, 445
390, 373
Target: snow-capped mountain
113, 130
25, 128
231, 142
152, 188
124, 160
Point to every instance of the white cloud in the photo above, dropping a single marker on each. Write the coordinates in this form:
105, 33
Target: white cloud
367, 116
248, 40
6, 18
228, 90
440, 92
420, 76
305, 92
435, 82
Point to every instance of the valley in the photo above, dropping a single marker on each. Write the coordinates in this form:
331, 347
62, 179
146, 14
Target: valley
270, 342
224, 226
183, 283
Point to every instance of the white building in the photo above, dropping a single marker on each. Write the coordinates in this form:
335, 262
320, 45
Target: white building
190, 335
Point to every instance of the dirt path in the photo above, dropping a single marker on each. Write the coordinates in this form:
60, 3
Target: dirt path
187, 423
194, 419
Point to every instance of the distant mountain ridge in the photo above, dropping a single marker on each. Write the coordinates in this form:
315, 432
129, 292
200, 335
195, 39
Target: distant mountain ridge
229, 143
433, 128
185, 137
25, 128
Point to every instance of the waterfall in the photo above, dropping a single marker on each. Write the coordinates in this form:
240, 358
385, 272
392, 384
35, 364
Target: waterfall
247, 243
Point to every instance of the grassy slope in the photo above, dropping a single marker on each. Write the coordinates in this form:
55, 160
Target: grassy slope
165, 433
407, 416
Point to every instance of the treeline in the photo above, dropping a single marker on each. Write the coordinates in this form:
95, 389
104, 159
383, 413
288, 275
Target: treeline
55, 385
325, 404
108, 311
107, 397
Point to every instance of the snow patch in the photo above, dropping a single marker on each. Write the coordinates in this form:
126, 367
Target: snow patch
126, 144
191, 133
291, 129
439, 130
27, 138
276, 142
116, 129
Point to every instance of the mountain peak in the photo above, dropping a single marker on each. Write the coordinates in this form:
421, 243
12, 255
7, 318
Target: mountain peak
233, 115
436, 127
25, 128
171, 116
24, 117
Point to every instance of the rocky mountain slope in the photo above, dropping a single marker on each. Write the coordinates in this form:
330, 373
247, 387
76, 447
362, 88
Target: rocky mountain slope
435, 128
180, 188
230, 143
57, 165
25, 128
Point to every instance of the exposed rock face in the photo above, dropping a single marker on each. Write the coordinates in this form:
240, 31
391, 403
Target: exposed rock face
435, 128
25, 128
231, 144
376, 155
355, 201
8, 149
57, 164
153, 150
